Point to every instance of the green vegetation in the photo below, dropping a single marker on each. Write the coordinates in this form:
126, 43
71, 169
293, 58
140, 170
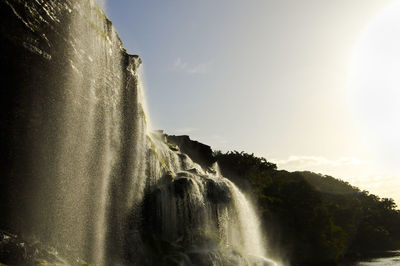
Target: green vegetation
159, 158
172, 147
314, 219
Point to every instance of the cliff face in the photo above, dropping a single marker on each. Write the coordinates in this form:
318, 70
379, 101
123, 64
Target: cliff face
30, 51
198, 152
65, 81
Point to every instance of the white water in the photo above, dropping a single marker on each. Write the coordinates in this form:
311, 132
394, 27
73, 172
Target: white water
201, 209
104, 181
386, 261
90, 137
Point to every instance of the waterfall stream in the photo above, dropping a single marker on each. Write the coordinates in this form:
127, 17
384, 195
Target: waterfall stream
93, 179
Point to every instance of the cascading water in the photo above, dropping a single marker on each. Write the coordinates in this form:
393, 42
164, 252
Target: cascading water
85, 173
200, 215
74, 126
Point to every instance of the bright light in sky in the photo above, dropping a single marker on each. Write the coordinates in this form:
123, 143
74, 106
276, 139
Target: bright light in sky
376, 85
272, 77
375, 97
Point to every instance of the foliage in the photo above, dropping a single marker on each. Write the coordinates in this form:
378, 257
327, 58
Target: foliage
315, 219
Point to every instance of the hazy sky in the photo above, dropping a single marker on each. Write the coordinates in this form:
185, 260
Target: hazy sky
309, 84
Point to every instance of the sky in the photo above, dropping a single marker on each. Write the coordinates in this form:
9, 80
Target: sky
309, 85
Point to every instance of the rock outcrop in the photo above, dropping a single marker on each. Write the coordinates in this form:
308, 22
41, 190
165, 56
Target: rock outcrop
198, 152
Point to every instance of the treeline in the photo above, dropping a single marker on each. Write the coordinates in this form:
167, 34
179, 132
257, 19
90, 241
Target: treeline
314, 219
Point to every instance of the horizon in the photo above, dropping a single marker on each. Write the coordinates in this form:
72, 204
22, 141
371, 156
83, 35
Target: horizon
309, 86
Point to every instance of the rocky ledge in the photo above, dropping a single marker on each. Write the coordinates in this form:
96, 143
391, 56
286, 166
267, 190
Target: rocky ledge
198, 152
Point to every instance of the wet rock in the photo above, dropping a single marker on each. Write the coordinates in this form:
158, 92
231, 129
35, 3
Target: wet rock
134, 62
211, 170
194, 171
173, 147
198, 152
181, 186
14, 250
217, 257
218, 192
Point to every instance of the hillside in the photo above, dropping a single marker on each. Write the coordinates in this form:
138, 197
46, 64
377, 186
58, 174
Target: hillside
311, 218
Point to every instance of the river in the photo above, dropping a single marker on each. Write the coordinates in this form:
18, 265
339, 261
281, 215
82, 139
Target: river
393, 258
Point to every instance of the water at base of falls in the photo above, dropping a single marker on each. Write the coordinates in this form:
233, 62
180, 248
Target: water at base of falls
87, 175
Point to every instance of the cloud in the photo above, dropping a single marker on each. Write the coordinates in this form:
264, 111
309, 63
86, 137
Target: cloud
179, 64
353, 170
182, 66
304, 162
379, 181
385, 185
344, 167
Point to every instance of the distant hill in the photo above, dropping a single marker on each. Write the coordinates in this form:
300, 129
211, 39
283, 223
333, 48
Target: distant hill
314, 219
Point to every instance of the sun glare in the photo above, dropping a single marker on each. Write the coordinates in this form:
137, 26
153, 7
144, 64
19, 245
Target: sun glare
375, 83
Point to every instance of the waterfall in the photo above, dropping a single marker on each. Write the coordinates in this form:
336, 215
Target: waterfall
201, 216
85, 173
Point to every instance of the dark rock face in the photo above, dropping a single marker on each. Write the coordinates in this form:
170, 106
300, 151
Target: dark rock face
60, 64
29, 59
182, 239
198, 152
181, 186
196, 199
218, 192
